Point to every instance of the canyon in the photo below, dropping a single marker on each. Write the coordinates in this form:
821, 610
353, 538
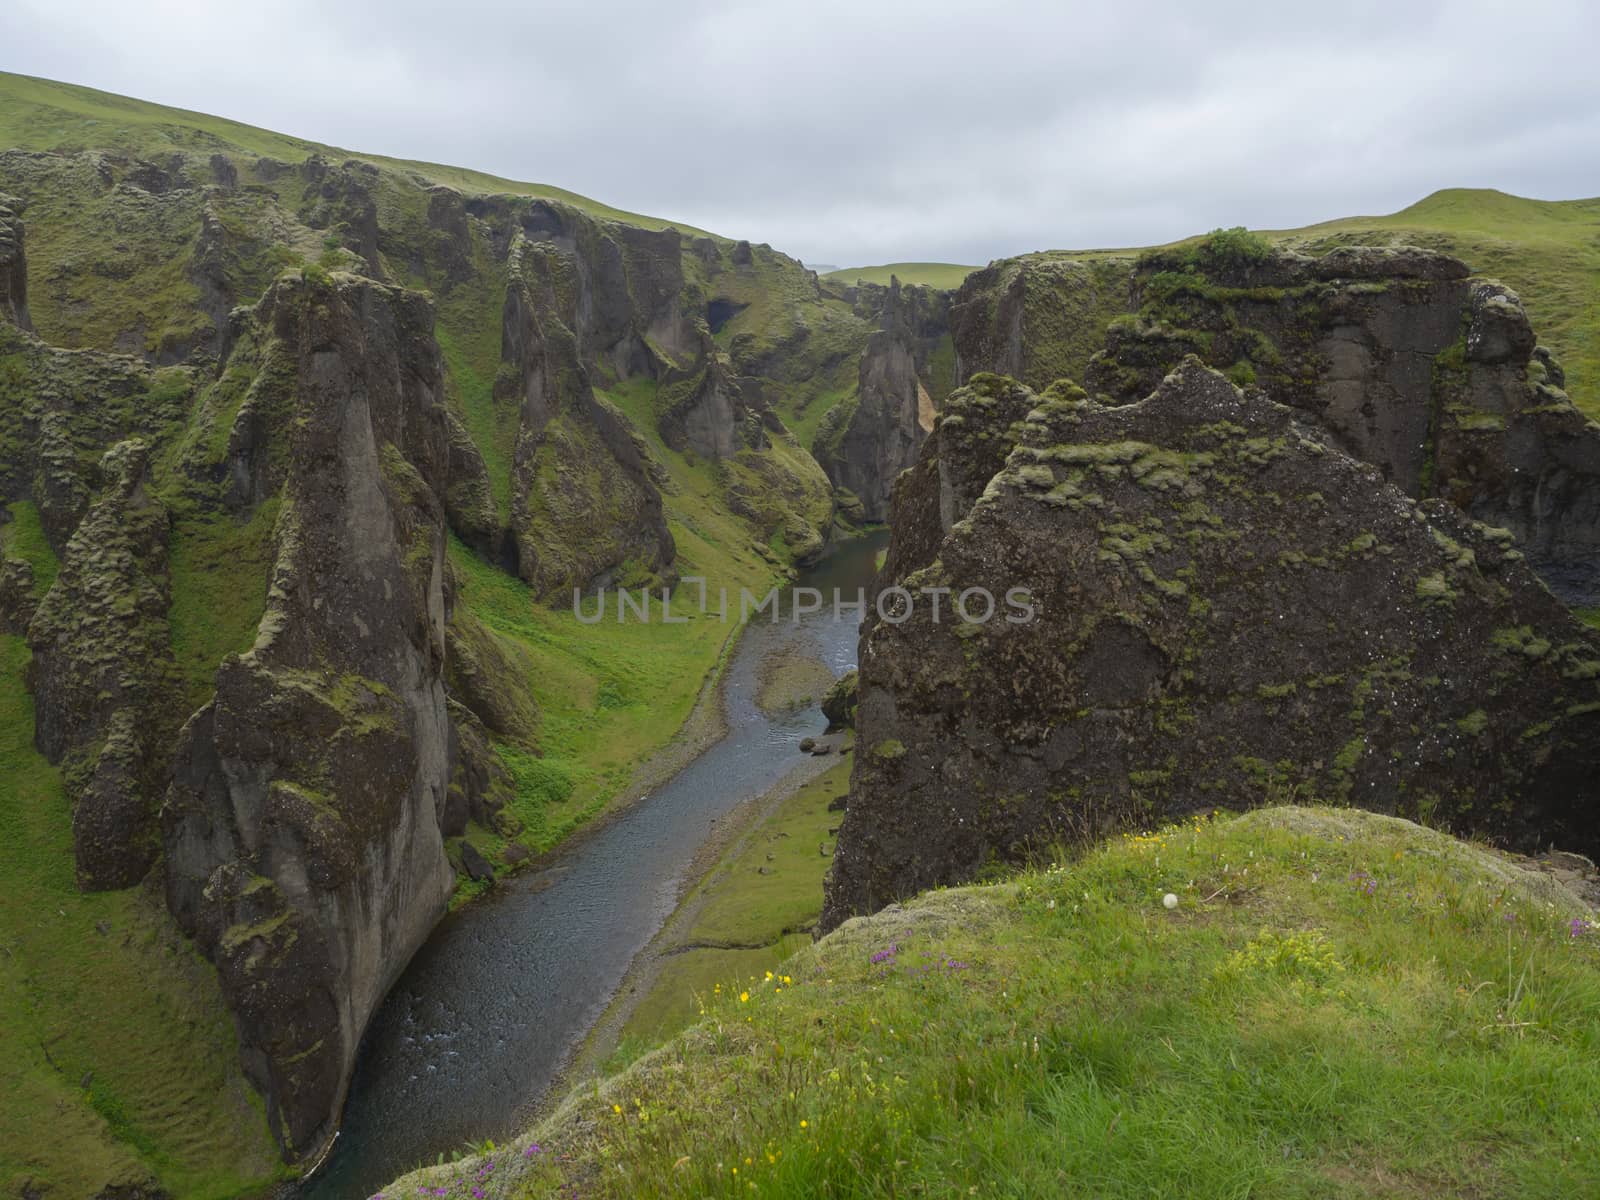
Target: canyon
304, 455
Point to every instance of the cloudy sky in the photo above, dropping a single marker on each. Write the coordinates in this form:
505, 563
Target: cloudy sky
860, 131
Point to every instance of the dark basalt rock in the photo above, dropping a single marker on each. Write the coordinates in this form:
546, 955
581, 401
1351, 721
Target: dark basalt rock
863, 444
1410, 364
584, 502
1037, 318
302, 831
1229, 609
16, 596
13, 266
478, 868
102, 674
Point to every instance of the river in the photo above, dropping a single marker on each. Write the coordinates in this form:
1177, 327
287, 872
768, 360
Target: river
483, 1019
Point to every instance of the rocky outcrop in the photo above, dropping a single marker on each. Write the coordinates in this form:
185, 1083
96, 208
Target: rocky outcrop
584, 506
867, 440
102, 674
1227, 608
13, 266
839, 705
1038, 318
302, 833
1409, 363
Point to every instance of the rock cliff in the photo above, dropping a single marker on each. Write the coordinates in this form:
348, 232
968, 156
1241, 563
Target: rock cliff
302, 832
1228, 608
262, 397
583, 502
865, 442
13, 266
1407, 360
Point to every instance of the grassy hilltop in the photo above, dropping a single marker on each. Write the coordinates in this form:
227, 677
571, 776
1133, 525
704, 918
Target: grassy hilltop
939, 275
1340, 1005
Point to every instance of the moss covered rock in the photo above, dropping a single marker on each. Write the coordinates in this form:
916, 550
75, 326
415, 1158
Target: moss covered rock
1227, 608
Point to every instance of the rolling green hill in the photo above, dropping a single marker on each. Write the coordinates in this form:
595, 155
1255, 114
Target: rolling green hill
42, 114
932, 274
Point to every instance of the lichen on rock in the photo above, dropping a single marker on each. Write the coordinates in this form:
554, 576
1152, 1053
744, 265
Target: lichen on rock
1229, 609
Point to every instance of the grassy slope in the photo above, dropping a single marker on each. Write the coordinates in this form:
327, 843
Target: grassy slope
41, 114
1342, 1005
755, 908
938, 275
91, 1090
612, 693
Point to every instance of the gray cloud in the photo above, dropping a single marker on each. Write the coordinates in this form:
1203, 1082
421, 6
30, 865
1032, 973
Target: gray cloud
854, 132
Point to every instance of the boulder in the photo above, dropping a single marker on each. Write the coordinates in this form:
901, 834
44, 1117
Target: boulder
478, 868
839, 705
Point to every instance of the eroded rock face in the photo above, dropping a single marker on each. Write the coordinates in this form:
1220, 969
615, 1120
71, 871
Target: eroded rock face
13, 266
866, 442
102, 674
1406, 360
1228, 609
583, 500
839, 705
302, 831
1037, 318
1411, 364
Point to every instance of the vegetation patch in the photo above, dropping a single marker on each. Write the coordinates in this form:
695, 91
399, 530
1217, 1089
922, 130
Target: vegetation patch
1338, 1004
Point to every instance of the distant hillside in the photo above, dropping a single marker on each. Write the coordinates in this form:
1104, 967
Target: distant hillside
938, 275
41, 114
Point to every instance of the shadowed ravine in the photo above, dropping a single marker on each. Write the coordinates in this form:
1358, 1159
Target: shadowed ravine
484, 1017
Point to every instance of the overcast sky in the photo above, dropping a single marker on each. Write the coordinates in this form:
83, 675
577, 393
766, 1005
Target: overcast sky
861, 131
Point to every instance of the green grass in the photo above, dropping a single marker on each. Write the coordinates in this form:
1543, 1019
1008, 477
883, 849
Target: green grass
23, 537
947, 276
611, 694
755, 908
120, 1062
1341, 1005
220, 570
42, 114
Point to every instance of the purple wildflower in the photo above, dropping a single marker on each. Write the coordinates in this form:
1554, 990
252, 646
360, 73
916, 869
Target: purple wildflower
1579, 927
